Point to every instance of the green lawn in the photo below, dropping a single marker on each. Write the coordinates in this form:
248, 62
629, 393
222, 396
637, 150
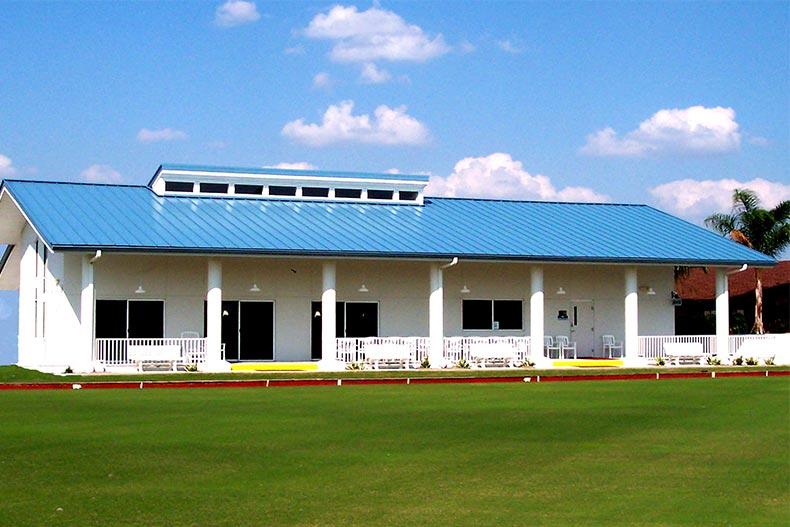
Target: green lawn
653, 453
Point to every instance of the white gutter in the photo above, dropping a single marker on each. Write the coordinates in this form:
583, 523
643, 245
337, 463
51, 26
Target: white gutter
736, 271
96, 257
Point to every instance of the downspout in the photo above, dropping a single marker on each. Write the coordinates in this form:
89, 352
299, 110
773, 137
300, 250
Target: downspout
447, 266
736, 271
96, 256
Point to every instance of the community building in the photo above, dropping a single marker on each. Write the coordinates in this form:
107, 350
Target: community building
219, 266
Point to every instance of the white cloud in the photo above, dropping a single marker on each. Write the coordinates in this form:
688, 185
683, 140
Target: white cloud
467, 47
295, 50
166, 134
373, 75
692, 131
375, 34
508, 46
388, 126
6, 166
322, 81
101, 174
500, 176
301, 165
695, 200
235, 13
759, 141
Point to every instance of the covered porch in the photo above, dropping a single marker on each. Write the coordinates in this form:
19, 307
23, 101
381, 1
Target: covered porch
353, 311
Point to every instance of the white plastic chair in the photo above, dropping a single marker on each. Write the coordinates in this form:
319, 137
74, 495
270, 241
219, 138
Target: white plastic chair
549, 347
610, 345
565, 346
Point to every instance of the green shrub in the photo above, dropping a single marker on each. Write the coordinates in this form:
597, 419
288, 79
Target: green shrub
356, 366
660, 361
425, 363
526, 363
769, 362
714, 361
463, 364
751, 361
737, 361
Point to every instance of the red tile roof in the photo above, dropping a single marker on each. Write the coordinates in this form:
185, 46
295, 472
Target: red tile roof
702, 286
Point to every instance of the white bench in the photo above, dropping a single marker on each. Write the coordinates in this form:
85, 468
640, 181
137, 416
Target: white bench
155, 353
684, 353
492, 352
398, 354
761, 349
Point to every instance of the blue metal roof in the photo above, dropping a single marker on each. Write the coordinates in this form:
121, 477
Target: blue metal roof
71, 216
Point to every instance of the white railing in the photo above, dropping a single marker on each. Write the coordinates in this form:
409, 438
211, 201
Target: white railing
457, 348
113, 352
353, 349
652, 347
777, 341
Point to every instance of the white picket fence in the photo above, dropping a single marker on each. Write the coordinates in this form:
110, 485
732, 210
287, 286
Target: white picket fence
113, 352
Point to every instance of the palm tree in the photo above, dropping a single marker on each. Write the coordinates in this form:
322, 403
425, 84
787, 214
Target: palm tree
767, 231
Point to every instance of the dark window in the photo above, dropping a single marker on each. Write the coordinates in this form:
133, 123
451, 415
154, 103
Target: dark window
380, 194
508, 314
315, 192
477, 314
282, 191
130, 319
492, 314
353, 193
214, 188
146, 319
179, 186
249, 189
408, 195
111, 319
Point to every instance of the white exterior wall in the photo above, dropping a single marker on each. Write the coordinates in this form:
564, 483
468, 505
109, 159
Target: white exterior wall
49, 307
401, 289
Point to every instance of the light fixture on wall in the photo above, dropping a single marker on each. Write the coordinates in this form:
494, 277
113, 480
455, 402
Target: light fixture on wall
363, 289
255, 288
139, 290
465, 290
647, 290
560, 291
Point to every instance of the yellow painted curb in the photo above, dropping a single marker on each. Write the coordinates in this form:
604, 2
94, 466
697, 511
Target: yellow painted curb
275, 366
582, 363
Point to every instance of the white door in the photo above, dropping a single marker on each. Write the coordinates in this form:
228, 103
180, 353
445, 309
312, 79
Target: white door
582, 319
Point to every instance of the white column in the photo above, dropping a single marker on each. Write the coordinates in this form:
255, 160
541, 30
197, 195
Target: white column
722, 314
631, 340
214, 312
328, 312
87, 303
536, 312
436, 318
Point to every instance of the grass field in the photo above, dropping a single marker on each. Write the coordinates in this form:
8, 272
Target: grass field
691, 452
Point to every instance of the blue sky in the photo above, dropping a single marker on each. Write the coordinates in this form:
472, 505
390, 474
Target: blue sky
673, 104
